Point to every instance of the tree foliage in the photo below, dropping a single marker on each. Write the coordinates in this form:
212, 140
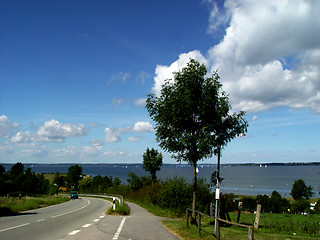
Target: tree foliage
192, 116
17, 182
152, 162
301, 190
74, 175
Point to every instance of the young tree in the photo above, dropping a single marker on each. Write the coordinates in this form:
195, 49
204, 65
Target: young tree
301, 190
152, 161
192, 117
74, 175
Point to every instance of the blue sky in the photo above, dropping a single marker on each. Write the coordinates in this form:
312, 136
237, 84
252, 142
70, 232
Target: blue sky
74, 75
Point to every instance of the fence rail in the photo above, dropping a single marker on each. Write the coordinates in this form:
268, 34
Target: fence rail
119, 198
197, 214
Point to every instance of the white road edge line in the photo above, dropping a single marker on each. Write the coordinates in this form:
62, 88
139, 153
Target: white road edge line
72, 210
87, 225
115, 237
6, 229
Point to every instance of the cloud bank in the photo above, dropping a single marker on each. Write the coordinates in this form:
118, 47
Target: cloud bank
269, 56
113, 134
50, 131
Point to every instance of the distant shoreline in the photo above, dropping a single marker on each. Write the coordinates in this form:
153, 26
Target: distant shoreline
177, 164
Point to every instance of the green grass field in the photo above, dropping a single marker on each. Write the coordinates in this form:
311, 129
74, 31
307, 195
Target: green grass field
272, 226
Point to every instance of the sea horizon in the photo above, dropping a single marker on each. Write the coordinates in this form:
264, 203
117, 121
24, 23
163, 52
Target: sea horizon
240, 179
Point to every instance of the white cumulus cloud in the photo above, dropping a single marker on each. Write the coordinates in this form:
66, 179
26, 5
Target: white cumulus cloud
140, 102
113, 134
50, 131
134, 139
54, 131
143, 127
268, 57
166, 72
6, 126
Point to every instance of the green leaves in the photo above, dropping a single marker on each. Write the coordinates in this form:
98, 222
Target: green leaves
152, 161
192, 114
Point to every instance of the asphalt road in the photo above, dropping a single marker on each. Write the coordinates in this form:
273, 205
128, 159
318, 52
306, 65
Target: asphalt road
54, 222
140, 225
83, 219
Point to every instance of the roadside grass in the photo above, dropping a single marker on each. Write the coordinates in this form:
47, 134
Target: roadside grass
14, 205
287, 223
119, 210
226, 233
272, 226
154, 209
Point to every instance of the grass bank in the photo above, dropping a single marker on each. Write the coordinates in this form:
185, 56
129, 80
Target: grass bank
119, 210
14, 205
272, 226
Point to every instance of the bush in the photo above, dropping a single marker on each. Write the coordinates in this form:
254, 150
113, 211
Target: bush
317, 207
134, 181
301, 206
249, 203
119, 210
204, 196
301, 190
174, 194
264, 201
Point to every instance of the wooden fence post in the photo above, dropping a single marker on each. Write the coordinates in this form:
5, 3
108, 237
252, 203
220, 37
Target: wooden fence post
187, 213
199, 224
239, 211
250, 233
256, 223
218, 229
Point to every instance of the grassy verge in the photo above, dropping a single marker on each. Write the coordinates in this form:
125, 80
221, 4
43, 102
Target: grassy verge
272, 226
226, 233
154, 209
119, 210
14, 205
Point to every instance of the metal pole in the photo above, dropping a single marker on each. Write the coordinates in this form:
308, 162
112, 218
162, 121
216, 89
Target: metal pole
217, 193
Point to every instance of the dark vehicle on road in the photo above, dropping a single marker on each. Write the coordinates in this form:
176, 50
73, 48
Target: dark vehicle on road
74, 195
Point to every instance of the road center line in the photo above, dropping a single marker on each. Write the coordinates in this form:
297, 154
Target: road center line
72, 210
115, 237
6, 229
40, 220
74, 232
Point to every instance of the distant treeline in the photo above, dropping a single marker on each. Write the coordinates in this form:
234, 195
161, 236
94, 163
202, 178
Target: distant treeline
18, 182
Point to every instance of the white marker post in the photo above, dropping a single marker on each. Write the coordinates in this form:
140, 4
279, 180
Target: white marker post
114, 203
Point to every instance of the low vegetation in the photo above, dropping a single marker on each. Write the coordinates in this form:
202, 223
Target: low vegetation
14, 205
281, 218
119, 209
272, 226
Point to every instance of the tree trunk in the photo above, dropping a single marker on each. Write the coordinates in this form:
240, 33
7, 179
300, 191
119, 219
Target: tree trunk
194, 199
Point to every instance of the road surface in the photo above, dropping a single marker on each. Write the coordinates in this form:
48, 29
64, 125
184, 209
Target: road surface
54, 222
83, 219
140, 225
